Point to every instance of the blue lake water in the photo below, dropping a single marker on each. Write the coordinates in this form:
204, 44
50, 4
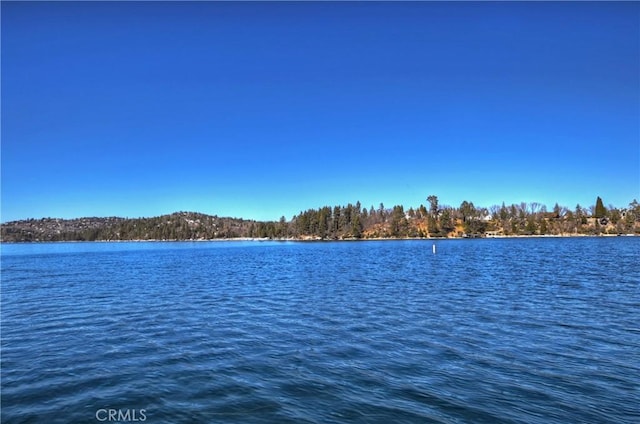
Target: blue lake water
540, 330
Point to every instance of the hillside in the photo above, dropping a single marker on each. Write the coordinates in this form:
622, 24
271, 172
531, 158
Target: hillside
176, 226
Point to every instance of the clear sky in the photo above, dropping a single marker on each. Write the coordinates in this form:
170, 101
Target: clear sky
259, 110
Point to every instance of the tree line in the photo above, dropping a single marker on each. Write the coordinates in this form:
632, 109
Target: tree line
435, 220
352, 221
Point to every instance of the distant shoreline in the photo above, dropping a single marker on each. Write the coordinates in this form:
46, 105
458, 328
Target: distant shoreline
313, 240
350, 222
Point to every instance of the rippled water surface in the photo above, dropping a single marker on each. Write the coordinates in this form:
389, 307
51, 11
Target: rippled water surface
484, 331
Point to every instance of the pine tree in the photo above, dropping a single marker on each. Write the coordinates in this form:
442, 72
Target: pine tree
446, 223
357, 227
600, 211
433, 205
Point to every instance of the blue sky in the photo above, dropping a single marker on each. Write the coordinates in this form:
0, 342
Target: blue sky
259, 110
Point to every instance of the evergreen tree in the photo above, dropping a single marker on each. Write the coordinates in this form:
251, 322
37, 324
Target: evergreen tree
433, 205
468, 210
282, 227
422, 210
336, 221
399, 224
530, 228
356, 227
600, 211
543, 226
580, 215
504, 213
446, 222
381, 212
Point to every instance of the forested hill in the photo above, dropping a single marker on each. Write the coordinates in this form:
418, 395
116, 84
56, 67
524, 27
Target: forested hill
343, 222
177, 226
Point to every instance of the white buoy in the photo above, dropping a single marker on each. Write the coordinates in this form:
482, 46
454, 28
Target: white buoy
433, 248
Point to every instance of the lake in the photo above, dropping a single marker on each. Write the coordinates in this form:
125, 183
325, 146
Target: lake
537, 330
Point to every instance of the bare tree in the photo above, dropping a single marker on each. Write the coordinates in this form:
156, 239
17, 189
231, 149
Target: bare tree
534, 207
522, 210
495, 211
